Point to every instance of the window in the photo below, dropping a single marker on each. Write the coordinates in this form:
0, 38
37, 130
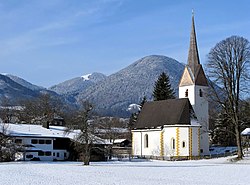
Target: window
54, 154
201, 150
200, 93
18, 141
34, 141
57, 154
146, 141
186, 93
29, 156
183, 144
41, 141
48, 153
48, 142
173, 143
40, 153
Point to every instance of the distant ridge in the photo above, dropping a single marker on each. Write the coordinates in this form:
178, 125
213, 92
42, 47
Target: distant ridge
24, 82
110, 95
113, 95
14, 91
71, 88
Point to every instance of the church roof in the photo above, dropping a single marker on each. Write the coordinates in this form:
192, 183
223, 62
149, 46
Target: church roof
165, 112
195, 74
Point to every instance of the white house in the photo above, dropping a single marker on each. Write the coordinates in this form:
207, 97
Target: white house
40, 143
177, 128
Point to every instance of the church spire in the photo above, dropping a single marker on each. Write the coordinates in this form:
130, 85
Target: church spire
193, 73
193, 55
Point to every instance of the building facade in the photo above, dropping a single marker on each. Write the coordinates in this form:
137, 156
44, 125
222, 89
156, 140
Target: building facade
177, 128
50, 143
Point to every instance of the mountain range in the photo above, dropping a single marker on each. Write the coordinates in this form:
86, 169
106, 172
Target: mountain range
111, 95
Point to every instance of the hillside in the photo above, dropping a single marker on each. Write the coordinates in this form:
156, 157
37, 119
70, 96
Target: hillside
24, 83
113, 95
71, 88
15, 91
110, 95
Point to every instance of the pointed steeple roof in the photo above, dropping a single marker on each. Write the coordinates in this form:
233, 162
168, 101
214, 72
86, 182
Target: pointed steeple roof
193, 73
193, 55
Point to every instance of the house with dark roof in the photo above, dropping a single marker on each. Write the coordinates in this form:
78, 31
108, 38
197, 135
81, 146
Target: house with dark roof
177, 128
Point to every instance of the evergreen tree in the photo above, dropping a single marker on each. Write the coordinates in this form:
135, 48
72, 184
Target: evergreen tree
134, 116
144, 100
162, 89
132, 120
223, 133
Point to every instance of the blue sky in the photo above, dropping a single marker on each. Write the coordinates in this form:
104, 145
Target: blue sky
50, 41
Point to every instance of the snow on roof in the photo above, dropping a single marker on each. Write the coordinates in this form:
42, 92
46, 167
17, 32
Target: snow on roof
117, 141
37, 131
246, 132
113, 129
86, 77
29, 130
12, 107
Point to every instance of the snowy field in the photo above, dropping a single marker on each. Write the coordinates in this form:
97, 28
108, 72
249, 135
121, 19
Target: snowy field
214, 171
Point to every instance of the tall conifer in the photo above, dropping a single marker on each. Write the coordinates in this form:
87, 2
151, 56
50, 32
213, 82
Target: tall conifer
162, 89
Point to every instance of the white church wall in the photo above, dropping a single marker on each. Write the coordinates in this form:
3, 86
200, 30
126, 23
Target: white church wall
136, 143
140, 147
201, 110
183, 141
195, 141
190, 92
204, 143
180, 135
153, 144
200, 106
169, 135
181, 146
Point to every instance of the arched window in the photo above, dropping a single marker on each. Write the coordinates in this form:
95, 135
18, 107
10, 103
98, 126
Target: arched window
146, 141
186, 93
173, 143
201, 93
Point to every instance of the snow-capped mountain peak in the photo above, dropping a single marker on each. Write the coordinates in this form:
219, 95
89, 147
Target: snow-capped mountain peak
78, 84
86, 77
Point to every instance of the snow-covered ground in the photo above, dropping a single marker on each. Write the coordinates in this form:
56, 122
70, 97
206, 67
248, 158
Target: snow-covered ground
214, 171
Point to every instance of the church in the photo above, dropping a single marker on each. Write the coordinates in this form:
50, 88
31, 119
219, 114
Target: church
177, 128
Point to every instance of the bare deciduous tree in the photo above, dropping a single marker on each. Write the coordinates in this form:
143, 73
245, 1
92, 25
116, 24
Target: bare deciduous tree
7, 147
111, 128
40, 110
228, 65
86, 138
7, 111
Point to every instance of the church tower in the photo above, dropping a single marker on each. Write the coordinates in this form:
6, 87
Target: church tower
193, 85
